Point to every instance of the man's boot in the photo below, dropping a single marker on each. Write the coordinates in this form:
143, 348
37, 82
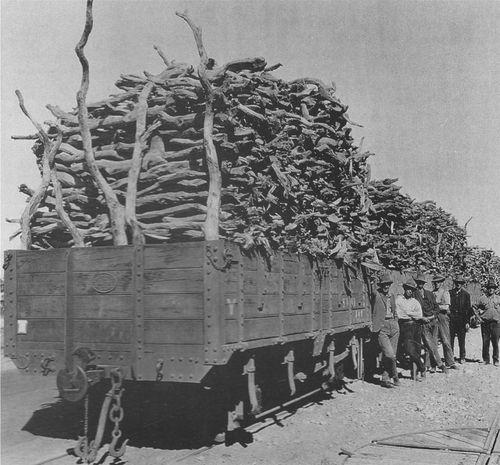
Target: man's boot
386, 382
394, 370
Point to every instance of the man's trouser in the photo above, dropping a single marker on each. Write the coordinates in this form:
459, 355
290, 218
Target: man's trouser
411, 342
388, 337
457, 328
429, 340
490, 330
443, 331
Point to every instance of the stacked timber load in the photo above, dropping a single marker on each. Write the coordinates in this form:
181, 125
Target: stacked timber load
226, 151
413, 235
291, 175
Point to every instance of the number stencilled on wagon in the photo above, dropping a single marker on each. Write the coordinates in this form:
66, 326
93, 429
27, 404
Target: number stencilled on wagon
358, 315
103, 283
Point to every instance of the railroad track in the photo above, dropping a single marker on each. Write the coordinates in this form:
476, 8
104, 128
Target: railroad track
264, 420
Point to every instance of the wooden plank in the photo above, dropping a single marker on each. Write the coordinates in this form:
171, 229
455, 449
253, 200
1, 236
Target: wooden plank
173, 306
329, 288
443, 439
103, 306
453, 441
493, 433
104, 331
478, 435
261, 328
494, 460
291, 283
41, 284
102, 282
272, 282
173, 331
42, 261
341, 319
463, 435
250, 282
46, 330
255, 306
317, 300
278, 271
341, 303
250, 262
290, 264
178, 256
295, 324
232, 331
40, 346
241, 301
376, 455
293, 304
40, 306
102, 258
181, 362
173, 281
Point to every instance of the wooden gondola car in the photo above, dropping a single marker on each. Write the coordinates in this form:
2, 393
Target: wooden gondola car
201, 313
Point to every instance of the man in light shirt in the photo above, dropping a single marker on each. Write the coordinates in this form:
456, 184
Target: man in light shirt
410, 315
443, 300
489, 311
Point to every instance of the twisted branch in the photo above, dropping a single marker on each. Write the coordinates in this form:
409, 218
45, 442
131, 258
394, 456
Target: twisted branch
116, 210
211, 227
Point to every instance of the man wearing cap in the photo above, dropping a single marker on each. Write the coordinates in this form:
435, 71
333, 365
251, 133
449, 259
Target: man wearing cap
489, 311
385, 326
460, 314
443, 319
430, 311
410, 315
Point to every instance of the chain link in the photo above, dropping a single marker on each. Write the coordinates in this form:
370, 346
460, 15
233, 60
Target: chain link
116, 411
86, 417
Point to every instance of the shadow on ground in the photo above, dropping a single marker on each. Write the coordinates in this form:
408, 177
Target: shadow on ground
155, 416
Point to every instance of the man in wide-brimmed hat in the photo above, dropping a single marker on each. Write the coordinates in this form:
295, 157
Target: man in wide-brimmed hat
410, 315
430, 311
443, 300
386, 330
460, 315
489, 311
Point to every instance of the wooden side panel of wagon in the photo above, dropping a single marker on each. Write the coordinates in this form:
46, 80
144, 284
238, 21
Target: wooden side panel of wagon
173, 303
287, 297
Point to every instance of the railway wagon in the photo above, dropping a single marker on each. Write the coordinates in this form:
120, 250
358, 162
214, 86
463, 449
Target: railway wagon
204, 313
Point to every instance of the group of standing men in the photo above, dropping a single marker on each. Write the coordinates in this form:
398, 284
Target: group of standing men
419, 318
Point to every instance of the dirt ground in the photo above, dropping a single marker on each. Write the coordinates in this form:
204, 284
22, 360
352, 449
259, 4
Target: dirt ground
469, 396
314, 434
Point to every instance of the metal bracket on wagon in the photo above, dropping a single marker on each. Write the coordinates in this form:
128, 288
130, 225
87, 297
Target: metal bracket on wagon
289, 361
249, 371
227, 257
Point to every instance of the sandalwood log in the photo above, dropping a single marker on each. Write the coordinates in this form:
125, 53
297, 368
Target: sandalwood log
141, 135
211, 226
116, 210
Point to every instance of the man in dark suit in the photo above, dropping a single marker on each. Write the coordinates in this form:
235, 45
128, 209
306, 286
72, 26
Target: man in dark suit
386, 330
430, 311
460, 314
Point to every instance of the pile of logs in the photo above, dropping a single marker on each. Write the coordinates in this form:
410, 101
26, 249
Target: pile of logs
291, 176
413, 235
228, 151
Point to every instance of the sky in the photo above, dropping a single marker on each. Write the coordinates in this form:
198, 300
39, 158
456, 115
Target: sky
422, 77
